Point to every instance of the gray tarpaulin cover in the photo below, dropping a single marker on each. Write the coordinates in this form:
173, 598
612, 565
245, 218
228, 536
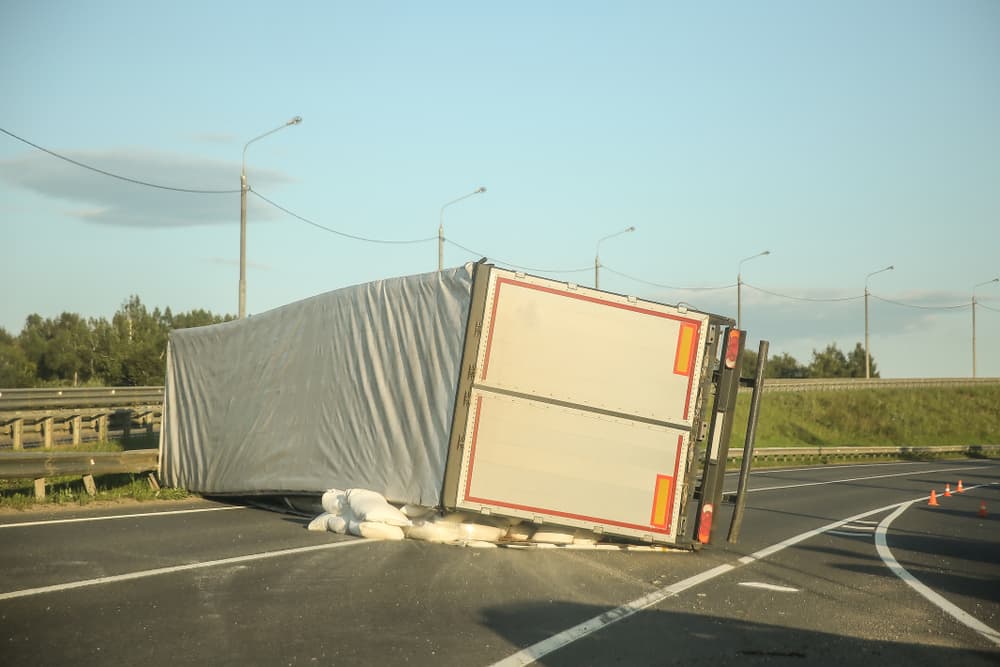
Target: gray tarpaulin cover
352, 388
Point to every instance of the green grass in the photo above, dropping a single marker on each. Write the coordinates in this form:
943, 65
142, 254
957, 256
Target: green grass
874, 417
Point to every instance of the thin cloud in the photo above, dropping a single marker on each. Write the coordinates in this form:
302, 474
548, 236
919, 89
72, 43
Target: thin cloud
104, 200
213, 138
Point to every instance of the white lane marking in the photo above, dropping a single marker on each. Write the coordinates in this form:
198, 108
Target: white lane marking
532, 653
118, 516
856, 479
529, 655
860, 529
175, 568
769, 587
933, 596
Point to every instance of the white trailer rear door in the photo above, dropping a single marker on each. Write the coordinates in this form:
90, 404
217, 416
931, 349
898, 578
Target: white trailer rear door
581, 409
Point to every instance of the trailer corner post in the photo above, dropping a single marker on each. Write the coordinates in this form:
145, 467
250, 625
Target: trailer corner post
720, 431
748, 444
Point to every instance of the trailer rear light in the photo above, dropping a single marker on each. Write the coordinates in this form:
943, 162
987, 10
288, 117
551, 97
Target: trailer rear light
705, 524
732, 348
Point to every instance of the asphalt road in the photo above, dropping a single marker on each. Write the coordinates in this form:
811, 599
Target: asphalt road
827, 571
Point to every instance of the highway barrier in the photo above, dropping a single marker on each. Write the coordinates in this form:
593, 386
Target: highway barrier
38, 465
825, 454
46, 417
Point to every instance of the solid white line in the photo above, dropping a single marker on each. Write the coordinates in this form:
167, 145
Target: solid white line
176, 568
118, 516
535, 651
540, 649
557, 641
844, 533
858, 479
933, 596
769, 587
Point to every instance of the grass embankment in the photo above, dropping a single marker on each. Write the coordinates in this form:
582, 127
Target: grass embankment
874, 417
869, 417
69, 490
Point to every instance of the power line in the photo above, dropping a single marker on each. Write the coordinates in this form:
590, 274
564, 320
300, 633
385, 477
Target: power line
334, 231
511, 264
804, 298
912, 305
118, 176
673, 287
355, 237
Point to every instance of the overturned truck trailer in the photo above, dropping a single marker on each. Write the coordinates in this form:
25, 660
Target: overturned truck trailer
476, 389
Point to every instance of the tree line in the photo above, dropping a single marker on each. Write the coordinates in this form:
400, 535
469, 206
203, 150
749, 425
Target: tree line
130, 350
830, 362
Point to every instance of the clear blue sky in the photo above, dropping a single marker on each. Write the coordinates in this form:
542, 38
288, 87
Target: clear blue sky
843, 136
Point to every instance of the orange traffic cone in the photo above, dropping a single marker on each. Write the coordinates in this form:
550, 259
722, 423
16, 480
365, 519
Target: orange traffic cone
947, 490
982, 508
933, 500
959, 489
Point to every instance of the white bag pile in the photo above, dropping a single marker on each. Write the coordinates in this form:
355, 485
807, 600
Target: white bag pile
368, 514
360, 512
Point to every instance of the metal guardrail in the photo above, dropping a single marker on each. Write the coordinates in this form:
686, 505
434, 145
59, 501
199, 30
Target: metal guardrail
33, 465
77, 397
823, 452
49, 416
39, 465
80, 397
839, 384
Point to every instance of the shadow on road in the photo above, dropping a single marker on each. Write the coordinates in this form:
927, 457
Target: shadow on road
653, 637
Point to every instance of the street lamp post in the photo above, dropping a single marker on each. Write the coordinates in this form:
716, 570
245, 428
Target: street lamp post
868, 356
597, 254
995, 280
739, 284
477, 191
243, 215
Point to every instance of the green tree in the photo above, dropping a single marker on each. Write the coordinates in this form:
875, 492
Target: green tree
16, 370
856, 362
785, 366
196, 318
141, 338
129, 350
61, 349
830, 363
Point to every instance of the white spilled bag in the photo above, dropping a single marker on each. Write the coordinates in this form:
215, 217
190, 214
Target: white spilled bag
522, 532
319, 523
433, 529
552, 537
375, 530
333, 501
336, 524
371, 506
477, 531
